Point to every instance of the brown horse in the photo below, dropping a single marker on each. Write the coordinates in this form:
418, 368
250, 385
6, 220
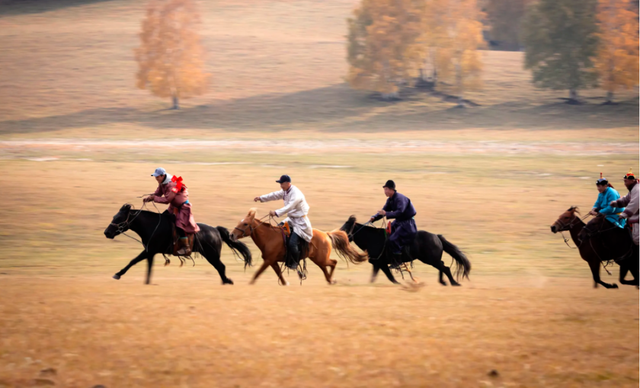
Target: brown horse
270, 241
569, 221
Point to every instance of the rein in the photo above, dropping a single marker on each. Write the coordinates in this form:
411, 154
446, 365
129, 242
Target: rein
124, 225
569, 226
251, 228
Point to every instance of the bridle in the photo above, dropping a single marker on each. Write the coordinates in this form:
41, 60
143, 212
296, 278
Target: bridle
350, 234
251, 228
567, 227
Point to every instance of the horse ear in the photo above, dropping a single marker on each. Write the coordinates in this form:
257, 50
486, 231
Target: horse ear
252, 212
352, 218
125, 207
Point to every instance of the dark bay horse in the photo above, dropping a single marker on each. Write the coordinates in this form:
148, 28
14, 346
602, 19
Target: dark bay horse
270, 241
600, 242
156, 232
426, 247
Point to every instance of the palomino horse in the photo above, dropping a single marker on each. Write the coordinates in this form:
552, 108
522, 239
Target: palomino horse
269, 240
594, 252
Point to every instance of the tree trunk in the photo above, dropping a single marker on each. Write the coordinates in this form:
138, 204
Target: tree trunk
175, 102
573, 96
609, 98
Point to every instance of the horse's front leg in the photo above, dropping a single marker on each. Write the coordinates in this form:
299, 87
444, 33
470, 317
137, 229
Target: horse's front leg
143, 255
278, 272
267, 262
595, 271
374, 273
440, 278
149, 267
385, 268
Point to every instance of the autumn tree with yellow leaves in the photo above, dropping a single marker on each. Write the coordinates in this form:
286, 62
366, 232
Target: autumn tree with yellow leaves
382, 51
389, 41
170, 57
454, 32
617, 57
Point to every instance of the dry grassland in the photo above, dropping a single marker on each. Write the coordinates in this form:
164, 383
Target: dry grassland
77, 141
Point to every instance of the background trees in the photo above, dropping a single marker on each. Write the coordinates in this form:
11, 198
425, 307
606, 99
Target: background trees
170, 57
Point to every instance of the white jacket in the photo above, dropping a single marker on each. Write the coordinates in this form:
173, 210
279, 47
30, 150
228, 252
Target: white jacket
296, 207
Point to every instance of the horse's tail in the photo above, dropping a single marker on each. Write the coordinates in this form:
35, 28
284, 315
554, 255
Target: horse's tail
463, 265
236, 246
340, 242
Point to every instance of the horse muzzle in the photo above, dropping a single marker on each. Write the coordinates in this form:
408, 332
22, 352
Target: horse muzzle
554, 229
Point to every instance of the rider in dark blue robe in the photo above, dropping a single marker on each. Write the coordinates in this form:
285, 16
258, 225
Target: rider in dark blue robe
403, 229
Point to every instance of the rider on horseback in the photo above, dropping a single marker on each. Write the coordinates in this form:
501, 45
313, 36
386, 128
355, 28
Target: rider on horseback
603, 203
403, 230
171, 190
631, 202
296, 208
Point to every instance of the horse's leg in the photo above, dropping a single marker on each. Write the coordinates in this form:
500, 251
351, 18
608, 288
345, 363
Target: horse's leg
440, 279
374, 273
278, 272
323, 267
213, 257
260, 270
149, 268
443, 268
385, 268
139, 258
332, 264
595, 271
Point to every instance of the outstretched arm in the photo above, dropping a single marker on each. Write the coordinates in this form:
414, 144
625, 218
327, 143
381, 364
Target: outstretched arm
270, 197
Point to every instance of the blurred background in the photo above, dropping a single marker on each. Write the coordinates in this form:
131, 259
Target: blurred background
492, 116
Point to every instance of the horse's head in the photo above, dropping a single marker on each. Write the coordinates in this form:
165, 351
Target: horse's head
120, 222
349, 226
245, 226
566, 220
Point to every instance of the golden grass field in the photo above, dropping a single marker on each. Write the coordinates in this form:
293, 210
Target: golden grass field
77, 140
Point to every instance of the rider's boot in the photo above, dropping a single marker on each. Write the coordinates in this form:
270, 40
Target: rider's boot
396, 260
185, 249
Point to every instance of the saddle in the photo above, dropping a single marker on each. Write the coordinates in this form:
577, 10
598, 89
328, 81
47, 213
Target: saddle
303, 245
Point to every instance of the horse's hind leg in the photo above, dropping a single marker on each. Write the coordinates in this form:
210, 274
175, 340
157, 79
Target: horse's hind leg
213, 257
139, 258
332, 265
440, 278
447, 271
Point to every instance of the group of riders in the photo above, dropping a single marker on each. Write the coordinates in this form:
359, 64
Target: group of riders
172, 191
618, 211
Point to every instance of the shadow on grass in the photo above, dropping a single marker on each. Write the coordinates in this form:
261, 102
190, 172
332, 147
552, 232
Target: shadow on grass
20, 7
338, 108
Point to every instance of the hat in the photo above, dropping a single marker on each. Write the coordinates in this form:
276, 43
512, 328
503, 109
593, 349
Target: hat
602, 181
284, 178
159, 172
630, 175
390, 184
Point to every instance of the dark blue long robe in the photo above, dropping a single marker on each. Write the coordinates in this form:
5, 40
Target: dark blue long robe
403, 229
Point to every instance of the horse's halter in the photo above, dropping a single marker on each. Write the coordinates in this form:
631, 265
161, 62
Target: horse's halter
124, 225
569, 225
244, 231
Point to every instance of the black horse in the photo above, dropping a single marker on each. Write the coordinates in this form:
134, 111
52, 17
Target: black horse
156, 232
611, 243
426, 247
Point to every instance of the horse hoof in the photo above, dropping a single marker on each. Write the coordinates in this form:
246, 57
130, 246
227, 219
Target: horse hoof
228, 281
614, 285
116, 276
443, 283
334, 282
456, 284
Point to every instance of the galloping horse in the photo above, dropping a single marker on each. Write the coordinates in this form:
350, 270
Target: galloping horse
426, 247
270, 241
155, 231
596, 245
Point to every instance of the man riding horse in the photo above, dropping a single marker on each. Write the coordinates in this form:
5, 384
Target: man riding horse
630, 202
171, 190
607, 195
403, 230
296, 208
